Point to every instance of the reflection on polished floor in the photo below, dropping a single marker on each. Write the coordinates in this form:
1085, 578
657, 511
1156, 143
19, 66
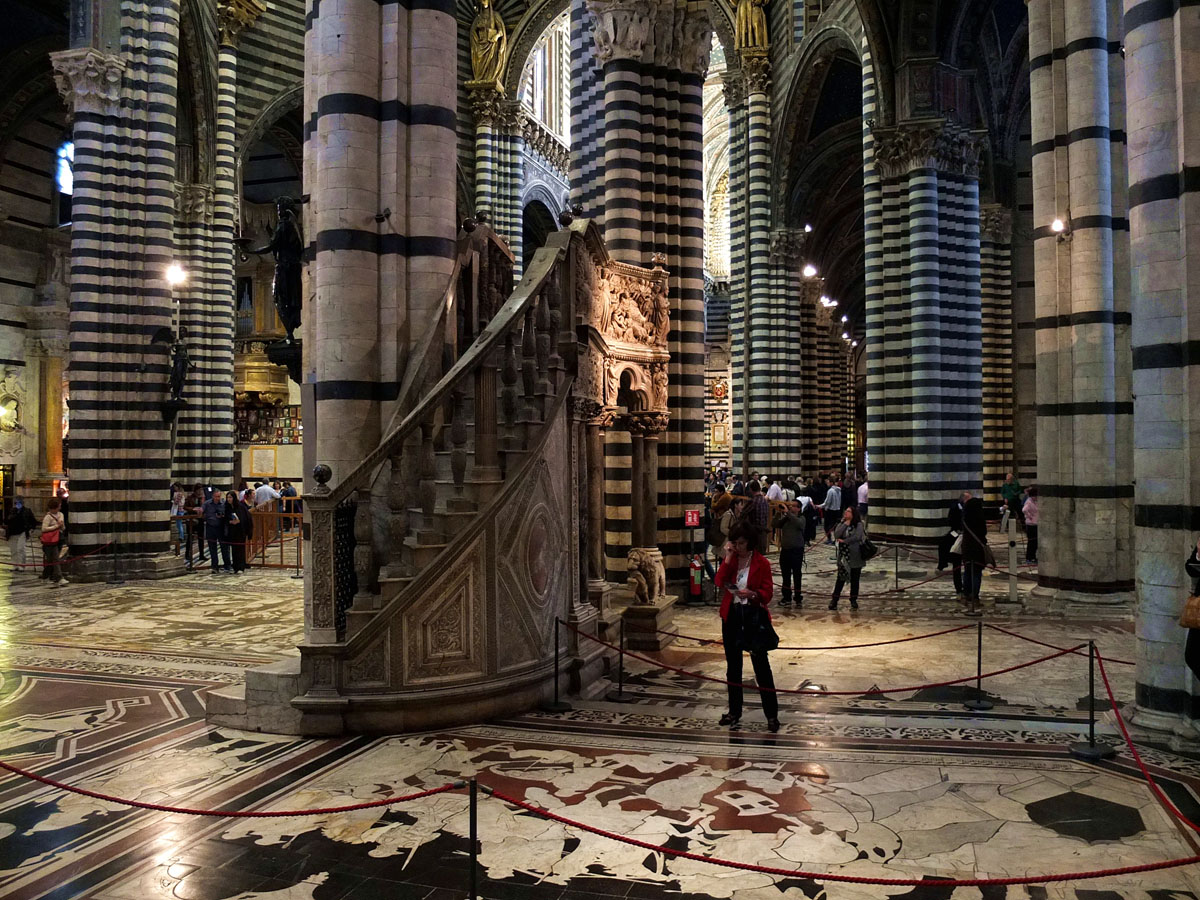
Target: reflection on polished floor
104, 687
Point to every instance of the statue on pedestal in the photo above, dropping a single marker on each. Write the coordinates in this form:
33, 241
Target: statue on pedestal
489, 45
750, 25
180, 363
287, 245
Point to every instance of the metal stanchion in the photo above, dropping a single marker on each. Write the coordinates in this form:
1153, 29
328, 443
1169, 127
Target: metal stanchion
299, 523
980, 703
1091, 751
473, 838
896, 570
557, 705
618, 696
1013, 590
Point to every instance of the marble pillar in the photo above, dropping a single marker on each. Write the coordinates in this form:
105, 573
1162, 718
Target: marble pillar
1163, 90
995, 239
1084, 401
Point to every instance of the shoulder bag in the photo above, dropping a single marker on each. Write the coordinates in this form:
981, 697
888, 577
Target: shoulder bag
1190, 616
755, 634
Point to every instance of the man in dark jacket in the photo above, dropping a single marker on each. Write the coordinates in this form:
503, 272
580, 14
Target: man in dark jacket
792, 527
954, 524
214, 518
19, 524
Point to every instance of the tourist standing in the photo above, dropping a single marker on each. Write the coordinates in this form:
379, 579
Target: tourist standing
19, 524
745, 581
192, 507
849, 534
759, 514
1012, 492
947, 555
831, 508
239, 529
54, 533
775, 491
862, 499
791, 524
213, 515
1030, 511
974, 552
1191, 653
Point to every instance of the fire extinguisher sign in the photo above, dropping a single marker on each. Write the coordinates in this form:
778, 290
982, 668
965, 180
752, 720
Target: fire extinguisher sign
691, 518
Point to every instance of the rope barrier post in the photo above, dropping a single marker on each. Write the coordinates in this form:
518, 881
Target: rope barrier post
896, 569
618, 696
557, 705
1013, 594
1091, 751
473, 838
980, 703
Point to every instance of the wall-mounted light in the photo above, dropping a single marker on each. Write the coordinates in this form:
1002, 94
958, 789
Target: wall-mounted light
807, 228
1058, 226
845, 318
845, 336
810, 271
176, 275
854, 343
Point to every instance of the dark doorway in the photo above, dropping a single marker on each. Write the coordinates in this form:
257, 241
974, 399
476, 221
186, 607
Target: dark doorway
537, 224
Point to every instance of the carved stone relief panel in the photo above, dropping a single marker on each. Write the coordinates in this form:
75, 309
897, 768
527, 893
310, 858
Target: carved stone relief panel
442, 634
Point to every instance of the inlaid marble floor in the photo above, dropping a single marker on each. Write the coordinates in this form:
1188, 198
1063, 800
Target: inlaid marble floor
103, 686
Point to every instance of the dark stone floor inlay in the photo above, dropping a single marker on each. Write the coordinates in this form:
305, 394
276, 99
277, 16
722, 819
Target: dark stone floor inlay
1090, 818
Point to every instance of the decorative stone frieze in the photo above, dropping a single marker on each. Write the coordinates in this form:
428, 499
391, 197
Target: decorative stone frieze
787, 246
623, 27
696, 45
545, 144
193, 202
487, 101
235, 16
88, 81
944, 146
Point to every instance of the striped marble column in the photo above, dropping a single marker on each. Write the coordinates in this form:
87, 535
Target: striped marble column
486, 101
122, 241
735, 106
924, 414
1163, 91
786, 420
873, 288
762, 399
1024, 317
1084, 402
995, 238
587, 116
808, 452
655, 55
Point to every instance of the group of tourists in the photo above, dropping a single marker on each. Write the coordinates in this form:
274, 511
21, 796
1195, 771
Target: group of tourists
793, 510
221, 520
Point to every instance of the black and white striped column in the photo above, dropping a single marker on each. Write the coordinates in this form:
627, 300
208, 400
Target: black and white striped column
995, 239
1161, 43
122, 242
1084, 402
587, 116
923, 316
735, 105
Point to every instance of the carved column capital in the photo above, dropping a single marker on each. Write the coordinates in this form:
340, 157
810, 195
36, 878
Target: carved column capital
756, 68
735, 88
697, 44
941, 145
787, 246
88, 80
995, 224
646, 424
235, 16
623, 27
487, 100
193, 202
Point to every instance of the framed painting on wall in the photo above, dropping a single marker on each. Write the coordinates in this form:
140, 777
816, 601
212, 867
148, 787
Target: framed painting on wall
262, 461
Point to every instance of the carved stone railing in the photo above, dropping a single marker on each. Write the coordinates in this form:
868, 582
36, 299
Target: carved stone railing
540, 140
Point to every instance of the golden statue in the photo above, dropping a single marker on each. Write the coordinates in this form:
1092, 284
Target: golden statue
750, 25
489, 44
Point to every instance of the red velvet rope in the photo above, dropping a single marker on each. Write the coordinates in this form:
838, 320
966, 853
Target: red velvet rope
919, 637
809, 693
1123, 662
227, 813
825, 876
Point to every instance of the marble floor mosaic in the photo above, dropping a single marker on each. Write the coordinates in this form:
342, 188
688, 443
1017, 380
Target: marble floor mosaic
103, 686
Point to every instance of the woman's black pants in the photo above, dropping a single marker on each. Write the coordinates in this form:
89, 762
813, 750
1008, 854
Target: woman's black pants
1191, 653
730, 633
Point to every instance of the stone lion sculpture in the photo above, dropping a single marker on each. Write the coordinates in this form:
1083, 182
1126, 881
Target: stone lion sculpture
646, 576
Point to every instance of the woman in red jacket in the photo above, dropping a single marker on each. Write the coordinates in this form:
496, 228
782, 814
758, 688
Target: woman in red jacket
745, 577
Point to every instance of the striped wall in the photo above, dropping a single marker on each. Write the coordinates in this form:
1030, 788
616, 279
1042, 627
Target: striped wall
1084, 403
270, 59
122, 242
1163, 84
996, 308
924, 415
587, 117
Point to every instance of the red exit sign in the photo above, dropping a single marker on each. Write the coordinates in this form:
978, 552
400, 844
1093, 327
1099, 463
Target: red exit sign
691, 518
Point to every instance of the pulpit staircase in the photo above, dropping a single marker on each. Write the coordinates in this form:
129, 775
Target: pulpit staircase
438, 567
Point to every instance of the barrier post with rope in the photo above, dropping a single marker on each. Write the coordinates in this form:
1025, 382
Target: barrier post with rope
896, 570
557, 705
473, 837
1091, 751
1013, 592
618, 696
980, 703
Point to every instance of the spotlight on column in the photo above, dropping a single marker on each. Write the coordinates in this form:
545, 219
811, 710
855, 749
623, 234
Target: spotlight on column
825, 301
845, 318
176, 275
845, 336
807, 229
1058, 226
854, 343
810, 271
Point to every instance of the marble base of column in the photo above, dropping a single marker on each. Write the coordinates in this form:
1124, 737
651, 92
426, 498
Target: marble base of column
1046, 598
127, 566
586, 662
1176, 730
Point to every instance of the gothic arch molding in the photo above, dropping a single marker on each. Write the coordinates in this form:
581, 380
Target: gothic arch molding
289, 100
524, 36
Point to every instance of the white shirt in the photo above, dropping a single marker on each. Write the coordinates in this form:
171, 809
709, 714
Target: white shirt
265, 494
743, 578
862, 493
775, 492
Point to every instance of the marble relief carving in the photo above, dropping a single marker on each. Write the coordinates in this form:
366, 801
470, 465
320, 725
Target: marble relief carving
941, 145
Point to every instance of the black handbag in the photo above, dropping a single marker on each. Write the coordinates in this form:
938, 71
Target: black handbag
868, 550
755, 633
